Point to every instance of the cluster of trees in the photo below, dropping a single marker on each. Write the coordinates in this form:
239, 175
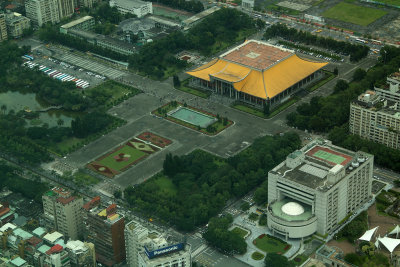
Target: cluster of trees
217, 235
355, 51
90, 123
355, 228
221, 29
49, 33
276, 260
28, 188
202, 183
374, 260
191, 6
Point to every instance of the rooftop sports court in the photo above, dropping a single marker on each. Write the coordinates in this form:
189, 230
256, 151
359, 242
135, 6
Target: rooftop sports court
329, 156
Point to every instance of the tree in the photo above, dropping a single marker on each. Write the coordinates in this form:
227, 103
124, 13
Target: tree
177, 82
261, 195
276, 260
245, 206
4, 108
117, 194
266, 107
341, 85
60, 122
359, 74
336, 71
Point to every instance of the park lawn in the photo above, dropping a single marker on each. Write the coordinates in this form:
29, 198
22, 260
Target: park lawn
82, 178
165, 185
197, 92
116, 90
270, 245
239, 231
354, 13
110, 162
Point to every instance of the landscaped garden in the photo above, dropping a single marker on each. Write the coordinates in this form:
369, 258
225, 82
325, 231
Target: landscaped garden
257, 256
193, 118
128, 154
194, 91
271, 244
240, 231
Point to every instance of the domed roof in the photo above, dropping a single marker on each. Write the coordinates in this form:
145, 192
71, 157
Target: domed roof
293, 208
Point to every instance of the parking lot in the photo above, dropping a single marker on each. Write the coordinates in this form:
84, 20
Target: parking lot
91, 65
69, 69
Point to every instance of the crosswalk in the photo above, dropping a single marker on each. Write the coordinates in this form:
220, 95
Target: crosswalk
92, 66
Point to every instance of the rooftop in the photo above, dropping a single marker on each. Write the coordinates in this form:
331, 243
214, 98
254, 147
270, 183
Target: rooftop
7, 226
76, 22
129, 3
18, 261
23, 234
200, 15
257, 55
317, 162
39, 231
65, 201
43, 249
52, 237
290, 210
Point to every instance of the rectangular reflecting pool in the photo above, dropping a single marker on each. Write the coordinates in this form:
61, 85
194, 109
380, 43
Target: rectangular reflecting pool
192, 116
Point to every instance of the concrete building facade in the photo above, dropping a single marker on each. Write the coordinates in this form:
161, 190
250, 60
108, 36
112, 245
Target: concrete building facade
317, 187
106, 232
136, 7
248, 4
374, 117
42, 11
147, 248
64, 212
16, 24
391, 91
66, 8
3, 28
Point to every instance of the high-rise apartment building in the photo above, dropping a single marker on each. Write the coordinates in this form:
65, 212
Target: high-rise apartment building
317, 187
3, 28
147, 248
63, 212
375, 117
66, 8
106, 232
43, 11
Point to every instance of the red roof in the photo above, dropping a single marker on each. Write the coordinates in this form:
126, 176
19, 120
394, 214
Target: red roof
92, 203
54, 249
34, 240
10, 6
65, 201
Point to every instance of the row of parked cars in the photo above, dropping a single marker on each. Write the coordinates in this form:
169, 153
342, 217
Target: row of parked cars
55, 74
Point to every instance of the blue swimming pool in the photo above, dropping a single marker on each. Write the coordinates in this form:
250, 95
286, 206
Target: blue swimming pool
192, 116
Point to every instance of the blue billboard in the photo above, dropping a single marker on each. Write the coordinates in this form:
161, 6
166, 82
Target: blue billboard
163, 251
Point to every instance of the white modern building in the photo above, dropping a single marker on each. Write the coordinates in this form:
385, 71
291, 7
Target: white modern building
137, 7
248, 4
316, 187
146, 248
391, 90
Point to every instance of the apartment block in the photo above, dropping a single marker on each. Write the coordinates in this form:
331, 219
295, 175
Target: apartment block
390, 91
43, 11
3, 28
64, 212
81, 253
148, 248
375, 117
66, 8
105, 229
16, 24
316, 187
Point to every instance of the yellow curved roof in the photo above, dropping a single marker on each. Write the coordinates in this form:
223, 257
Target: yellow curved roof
263, 84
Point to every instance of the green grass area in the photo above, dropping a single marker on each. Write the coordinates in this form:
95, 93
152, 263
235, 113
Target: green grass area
165, 185
299, 259
259, 113
197, 92
81, 178
239, 231
253, 216
354, 13
111, 93
257, 256
270, 245
112, 163
329, 76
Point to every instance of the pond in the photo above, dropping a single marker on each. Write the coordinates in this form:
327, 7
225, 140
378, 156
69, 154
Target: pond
28, 101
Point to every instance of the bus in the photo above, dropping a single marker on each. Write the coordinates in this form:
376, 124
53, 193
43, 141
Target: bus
53, 73
57, 75
28, 57
358, 40
62, 76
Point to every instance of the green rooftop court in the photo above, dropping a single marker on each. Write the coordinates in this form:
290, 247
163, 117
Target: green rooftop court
276, 208
329, 157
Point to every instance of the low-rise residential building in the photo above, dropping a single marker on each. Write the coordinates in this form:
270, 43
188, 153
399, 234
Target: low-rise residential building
16, 24
85, 23
81, 253
136, 7
374, 117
